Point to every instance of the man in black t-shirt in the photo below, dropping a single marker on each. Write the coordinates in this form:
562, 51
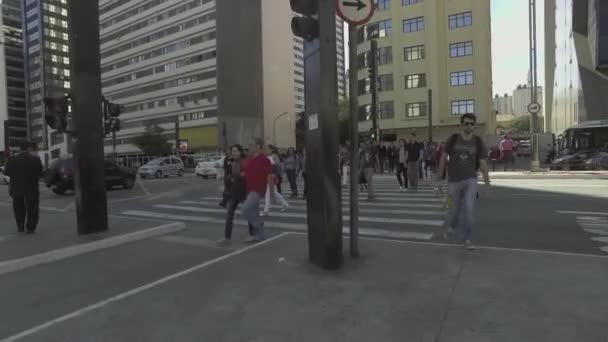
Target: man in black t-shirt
414, 155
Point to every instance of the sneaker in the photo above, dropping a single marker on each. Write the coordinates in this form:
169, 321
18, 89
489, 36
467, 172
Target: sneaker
250, 239
468, 245
223, 242
401, 189
284, 209
264, 213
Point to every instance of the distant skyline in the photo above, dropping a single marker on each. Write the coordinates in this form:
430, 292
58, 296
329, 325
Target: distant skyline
510, 44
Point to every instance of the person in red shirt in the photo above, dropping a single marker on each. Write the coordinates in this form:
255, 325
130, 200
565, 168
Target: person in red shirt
258, 172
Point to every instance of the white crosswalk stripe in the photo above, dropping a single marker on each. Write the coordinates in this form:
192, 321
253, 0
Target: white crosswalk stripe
393, 214
592, 222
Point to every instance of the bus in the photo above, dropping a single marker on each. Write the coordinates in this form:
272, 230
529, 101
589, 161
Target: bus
586, 136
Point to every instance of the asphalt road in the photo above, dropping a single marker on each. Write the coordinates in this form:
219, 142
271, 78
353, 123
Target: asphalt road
546, 215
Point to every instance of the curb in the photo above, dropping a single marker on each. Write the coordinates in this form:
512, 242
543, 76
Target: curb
71, 251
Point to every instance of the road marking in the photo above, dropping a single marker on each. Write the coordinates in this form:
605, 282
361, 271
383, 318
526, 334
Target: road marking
601, 239
436, 223
132, 292
280, 225
583, 212
128, 199
378, 200
198, 242
345, 207
71, 251
540, 195
143, 188
596, 231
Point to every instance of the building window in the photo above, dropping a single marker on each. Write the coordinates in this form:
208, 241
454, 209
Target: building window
413, 53
416, 109
413, 25
461, 107
378, 29
409, 2
365, 112
385, 82
460, 20
461, 49
415, 81
386, 110
385, 55
362, 60
364, 86
382, 5
461, 78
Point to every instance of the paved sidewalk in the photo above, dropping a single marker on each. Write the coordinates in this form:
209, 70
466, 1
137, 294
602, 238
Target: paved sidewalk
397, 291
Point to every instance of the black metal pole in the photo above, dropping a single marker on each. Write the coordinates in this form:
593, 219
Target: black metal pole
177, 151
374, 87
114, 146
91, 204
430, 114
354, 133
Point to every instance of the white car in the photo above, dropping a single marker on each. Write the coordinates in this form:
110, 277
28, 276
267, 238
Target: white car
209, 166
3, 178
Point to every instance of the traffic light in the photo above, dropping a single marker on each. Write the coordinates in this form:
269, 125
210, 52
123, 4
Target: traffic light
307, 26
57, 112
111, 112
372, 134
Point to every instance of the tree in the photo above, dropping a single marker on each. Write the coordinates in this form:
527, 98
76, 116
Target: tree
153, 142
522, 124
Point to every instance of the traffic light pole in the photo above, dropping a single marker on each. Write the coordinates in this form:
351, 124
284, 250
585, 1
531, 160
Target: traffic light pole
323, 191
374, 88
91, 201
354, 138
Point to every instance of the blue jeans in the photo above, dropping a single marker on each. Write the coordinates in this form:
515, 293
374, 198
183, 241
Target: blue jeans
462, 195
251, 210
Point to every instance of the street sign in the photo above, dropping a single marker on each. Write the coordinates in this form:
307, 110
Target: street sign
534, 108
355, 12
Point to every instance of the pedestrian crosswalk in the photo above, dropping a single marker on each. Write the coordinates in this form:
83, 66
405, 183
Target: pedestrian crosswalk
392, 214
595, 223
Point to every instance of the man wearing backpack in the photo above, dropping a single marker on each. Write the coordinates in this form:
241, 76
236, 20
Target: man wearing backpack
464, 153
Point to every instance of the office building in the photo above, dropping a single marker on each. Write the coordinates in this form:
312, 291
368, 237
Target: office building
522, 97
503, 104
576, 62
437, 45
12, 96
47, 69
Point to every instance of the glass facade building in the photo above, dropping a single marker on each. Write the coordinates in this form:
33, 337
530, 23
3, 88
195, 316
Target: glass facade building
47, 67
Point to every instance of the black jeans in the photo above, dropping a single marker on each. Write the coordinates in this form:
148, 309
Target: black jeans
401, 170
27, 206
292, 178
391, 164
231, 208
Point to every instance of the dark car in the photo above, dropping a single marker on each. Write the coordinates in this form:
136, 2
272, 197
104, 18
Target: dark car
572, 162
60, 176
598, 162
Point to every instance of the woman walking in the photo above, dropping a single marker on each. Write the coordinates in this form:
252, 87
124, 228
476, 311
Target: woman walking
235, 189
401, 169
292, 169
272, 190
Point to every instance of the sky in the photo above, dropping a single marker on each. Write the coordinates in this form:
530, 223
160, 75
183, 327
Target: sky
510, 44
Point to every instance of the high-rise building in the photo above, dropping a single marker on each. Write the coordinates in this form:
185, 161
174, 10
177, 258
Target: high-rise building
12, 83
576, 62
47, 71
437, 45
503, 104
522, 97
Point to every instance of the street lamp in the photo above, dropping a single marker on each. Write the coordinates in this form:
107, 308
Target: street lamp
274, 127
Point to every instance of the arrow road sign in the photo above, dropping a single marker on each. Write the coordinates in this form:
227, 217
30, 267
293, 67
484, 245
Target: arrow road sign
534, 108
355, 12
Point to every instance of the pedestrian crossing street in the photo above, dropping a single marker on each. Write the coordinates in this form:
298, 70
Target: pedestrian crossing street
595, 223
393, 214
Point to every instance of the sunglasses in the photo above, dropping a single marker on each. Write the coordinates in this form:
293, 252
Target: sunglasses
468, 124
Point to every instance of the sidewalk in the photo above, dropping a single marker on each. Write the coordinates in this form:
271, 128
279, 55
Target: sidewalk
397, 291
56, 238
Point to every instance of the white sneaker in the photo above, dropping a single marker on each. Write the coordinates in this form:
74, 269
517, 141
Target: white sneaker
284, 209
264, 213
401, 189
469, 245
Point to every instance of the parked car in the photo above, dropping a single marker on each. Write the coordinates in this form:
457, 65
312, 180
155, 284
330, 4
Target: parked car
598, 162
162, 167
209, 166
60, 176
3, 178
572, 162
524, 148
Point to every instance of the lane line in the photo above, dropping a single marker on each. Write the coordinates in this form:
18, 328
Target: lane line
280, 225
582, 212
132, 292
362, 199
362, 204
143, 188
436, 223
198, 242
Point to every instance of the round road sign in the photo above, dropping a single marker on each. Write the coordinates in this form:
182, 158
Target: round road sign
355, 12
534, 108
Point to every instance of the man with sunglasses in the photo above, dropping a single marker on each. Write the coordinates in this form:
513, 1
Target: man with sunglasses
464, 154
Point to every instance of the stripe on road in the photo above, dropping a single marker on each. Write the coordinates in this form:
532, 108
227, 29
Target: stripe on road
378, 199
279, 225
582, 212
435, 223
361, 204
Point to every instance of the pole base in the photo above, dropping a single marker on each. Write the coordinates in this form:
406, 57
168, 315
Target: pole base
535, 166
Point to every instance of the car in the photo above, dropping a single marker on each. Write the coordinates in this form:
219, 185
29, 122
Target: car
209, 166
60, 176
574, 162
524, 148
4, 179
597, 162
162, 167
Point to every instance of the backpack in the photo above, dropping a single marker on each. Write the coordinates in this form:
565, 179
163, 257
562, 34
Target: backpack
478, 145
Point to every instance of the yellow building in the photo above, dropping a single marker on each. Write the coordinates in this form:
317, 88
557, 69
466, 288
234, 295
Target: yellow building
441, 45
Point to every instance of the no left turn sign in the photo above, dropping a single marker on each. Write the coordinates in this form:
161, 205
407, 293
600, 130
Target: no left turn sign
355, 12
